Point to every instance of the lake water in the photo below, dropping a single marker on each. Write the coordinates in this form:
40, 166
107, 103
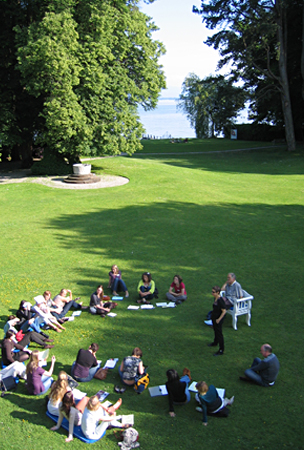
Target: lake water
165, 121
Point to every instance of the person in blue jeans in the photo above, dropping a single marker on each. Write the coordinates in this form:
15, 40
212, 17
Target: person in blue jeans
263, 372
116, 283
86, 364
178, 392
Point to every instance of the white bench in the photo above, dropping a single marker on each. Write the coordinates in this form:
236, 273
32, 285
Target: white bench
241, 306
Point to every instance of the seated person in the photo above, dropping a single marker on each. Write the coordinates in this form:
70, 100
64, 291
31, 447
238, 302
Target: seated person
233, 289
210, 402
72, 412
177, 291
263, 372
131, 367
58, 389
62, 304
116, 283
96, 418
38, 380
97, 305
86, 364
16, 369
177, 388
146, 288
46, 316
25, 313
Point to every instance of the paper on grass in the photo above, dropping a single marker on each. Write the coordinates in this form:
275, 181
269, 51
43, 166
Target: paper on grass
133, 307
76, 313
111, 363
208, 322
147, 307
127, 420
102, 395
171, 305
111, 314
117, 298
156, 391
78, 395
71, 318
192, 387
161, 304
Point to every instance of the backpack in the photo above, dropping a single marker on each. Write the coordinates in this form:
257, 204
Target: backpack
142, 383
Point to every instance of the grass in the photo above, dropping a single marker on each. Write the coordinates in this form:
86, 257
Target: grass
197, 215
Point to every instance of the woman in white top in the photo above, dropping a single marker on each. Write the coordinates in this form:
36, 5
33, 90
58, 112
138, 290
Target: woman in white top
96, 418
73, 413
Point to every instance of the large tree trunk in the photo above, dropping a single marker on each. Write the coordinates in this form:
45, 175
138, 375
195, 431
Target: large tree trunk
285, 96
302, 56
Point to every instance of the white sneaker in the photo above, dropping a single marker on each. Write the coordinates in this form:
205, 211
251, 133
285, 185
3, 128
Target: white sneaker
231, 400
199, 409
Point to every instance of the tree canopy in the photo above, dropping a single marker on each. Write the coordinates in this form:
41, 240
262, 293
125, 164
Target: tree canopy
210, 104
262, 41
72, 75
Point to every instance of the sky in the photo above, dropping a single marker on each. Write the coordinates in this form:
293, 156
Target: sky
183, 36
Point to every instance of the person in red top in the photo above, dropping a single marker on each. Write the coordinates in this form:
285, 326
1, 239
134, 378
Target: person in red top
177, 292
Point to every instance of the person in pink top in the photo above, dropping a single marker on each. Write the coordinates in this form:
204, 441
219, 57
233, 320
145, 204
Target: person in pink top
177, 291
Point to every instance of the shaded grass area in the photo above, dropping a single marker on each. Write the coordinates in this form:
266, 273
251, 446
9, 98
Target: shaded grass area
198, 216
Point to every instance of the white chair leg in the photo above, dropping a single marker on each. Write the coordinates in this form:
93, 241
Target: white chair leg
248, 319
234, 322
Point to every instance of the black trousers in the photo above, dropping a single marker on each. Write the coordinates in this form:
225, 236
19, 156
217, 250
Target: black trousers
218, 334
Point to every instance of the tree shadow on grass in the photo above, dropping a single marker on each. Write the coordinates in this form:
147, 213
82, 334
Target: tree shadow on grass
268, 162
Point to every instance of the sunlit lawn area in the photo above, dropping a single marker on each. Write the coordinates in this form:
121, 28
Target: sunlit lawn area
200, 216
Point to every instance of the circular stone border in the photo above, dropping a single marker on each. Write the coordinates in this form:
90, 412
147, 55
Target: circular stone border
21, 176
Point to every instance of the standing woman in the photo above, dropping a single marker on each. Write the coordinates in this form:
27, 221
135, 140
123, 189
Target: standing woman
38, 380
177, 291
86, 364
146, 288
177, 388
217, 317
116, 283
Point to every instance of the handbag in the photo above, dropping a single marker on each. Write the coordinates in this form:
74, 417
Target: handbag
7, 384
19, 336
71, 382
101, 374
142, 383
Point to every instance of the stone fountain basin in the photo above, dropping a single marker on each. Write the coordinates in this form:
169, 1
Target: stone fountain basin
81, 169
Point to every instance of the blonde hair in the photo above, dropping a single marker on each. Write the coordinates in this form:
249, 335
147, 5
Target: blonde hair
33, 362
62, 375
58, 389
202, 387
93, 403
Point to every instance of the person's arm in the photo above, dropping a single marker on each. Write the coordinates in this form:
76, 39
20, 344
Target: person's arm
223, 288
204, 408
139, 285
110, 281
259, 367
59, 422
152, 289
50, 371
141, 368
121, 367
221, 316
8, 351
72, 416
70, 294
170, 398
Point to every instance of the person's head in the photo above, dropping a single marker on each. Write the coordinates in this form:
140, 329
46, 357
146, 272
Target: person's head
172, 375
9, 334
47, 295
177, 279
99, 290
21, 306
266, 350
216, 291
59, 388
230, 278
146, 277
67, 402
63, 292
114, 268
33, 362
93, 404
137, 352
94, 347
62, 375
202, 387
13, 319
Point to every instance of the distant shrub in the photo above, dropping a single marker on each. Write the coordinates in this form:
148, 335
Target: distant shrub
257, 132
51, 164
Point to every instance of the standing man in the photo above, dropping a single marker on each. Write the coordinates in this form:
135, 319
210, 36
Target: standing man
263, 372
233, 289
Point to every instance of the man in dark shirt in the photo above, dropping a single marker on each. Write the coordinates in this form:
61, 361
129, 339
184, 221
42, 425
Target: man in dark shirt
263, 372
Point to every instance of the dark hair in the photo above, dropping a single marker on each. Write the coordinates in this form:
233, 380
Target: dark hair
216, 289
172, 375
179, 278
11, 317
67, 402
21, 304
9, 334
137, 352
94, 347
148, 275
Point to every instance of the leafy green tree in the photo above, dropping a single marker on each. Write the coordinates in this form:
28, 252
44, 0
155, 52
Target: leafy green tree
210, 104
86, 66
253, 35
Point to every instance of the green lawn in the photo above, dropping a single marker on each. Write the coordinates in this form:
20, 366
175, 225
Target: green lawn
197, 215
